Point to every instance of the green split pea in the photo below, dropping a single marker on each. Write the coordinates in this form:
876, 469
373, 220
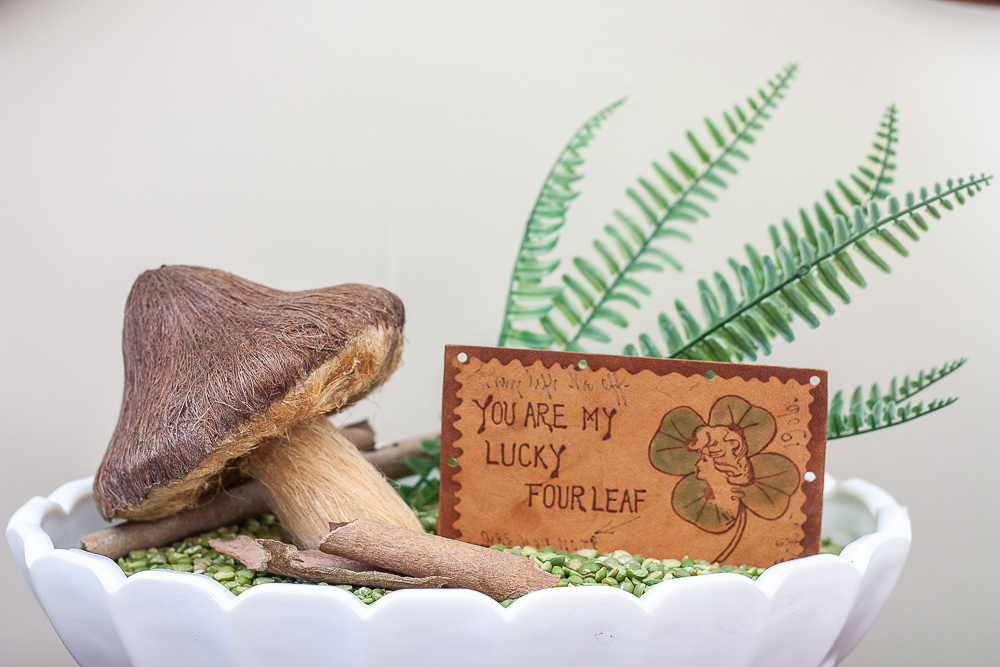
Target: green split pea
585, 567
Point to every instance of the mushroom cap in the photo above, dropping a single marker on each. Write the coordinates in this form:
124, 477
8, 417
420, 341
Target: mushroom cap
215, 363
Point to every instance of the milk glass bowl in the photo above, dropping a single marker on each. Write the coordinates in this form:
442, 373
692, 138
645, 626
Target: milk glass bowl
803, 613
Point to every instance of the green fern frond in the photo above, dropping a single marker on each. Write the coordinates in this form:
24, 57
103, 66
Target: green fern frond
878, 411
867, 183
630, 249
776, 291
875, 185
527, 299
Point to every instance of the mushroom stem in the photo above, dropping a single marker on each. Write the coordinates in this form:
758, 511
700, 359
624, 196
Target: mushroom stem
313, 476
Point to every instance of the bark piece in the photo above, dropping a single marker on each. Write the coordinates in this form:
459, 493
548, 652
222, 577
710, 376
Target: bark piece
229, 506
312, 565
500, 575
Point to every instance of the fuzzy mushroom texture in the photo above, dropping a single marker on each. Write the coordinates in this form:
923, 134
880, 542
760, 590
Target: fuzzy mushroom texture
225, 377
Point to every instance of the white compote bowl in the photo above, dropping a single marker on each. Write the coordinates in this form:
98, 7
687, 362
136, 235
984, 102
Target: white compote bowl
803, 613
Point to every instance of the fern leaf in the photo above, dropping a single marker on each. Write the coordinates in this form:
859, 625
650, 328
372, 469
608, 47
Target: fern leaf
606, 255
667, 258
691, 327
880, 410
654, 193
567, 309
872, 183
625, 297
671, 183
592, 332
755, 331
702, 153
709, 303
581, 292
611, 315
689, 188
553, 330
810, 288
739, 341
670, 334
648, 347
533, 270
541, 232
530, 290
779, 292
529, 310
909, 388
851, 198
644, 266
592, 274
720, 141
726, 292
634, 284
682, 166
619, 240
530, 339
646, 209
632, 227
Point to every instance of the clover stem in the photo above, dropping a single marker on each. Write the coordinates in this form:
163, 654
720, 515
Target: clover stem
741, 523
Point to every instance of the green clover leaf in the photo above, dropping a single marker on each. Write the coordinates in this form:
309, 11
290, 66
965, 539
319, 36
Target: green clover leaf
668, 452
775, 480
701, 497
694, 501
756, 424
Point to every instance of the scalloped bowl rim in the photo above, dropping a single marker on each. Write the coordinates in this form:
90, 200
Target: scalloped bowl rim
808, 611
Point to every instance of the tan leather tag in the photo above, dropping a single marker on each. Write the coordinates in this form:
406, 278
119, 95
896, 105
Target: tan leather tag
658, 457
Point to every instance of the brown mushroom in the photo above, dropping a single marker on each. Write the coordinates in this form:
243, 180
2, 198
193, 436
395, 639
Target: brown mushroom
225, 377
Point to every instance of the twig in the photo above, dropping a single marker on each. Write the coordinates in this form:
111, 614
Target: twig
227, 507
391, 459
500, 575
311, 565
361, 434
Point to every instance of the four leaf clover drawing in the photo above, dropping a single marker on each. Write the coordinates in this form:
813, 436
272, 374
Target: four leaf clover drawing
725, 470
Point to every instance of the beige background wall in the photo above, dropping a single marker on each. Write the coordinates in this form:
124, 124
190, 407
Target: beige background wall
306, 144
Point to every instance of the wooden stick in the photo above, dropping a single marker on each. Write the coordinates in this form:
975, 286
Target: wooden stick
361, 434
230, 506
391, 459
311, 565
500, 575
